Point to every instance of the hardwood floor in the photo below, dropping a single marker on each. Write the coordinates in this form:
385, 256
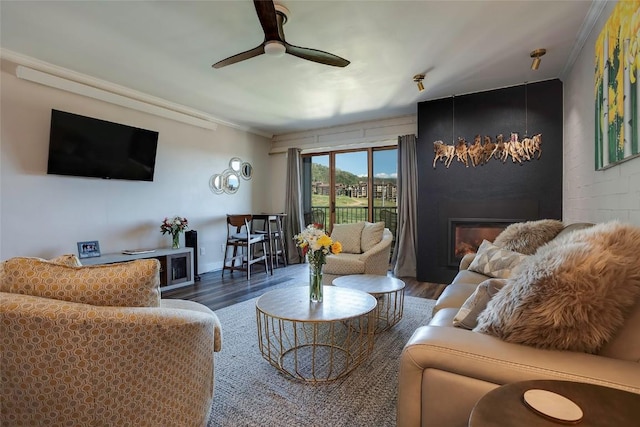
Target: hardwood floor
217, 292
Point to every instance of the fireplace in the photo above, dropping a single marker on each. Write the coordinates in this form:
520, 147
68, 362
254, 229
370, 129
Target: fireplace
466, 235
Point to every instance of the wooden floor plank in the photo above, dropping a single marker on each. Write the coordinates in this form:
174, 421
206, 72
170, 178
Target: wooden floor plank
217, 292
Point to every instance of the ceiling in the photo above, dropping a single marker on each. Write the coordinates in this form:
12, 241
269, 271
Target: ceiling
166, 49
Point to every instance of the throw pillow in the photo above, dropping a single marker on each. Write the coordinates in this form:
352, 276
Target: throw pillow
573, 294
467, 316
128, 284
349, 235
371, 235
493, 261
527, 237
67, 259
70, 260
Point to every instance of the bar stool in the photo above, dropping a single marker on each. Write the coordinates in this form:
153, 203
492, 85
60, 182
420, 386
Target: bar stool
274, 233
239, 235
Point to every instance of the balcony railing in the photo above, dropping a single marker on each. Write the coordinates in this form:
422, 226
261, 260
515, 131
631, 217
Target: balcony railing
346, 215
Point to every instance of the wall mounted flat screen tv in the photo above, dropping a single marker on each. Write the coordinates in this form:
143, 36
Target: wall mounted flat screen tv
84, 146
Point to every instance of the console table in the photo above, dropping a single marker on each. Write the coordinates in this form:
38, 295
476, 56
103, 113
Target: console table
176, 265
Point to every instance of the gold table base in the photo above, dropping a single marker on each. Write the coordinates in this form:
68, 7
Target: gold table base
388, 291
315, 342
389, 310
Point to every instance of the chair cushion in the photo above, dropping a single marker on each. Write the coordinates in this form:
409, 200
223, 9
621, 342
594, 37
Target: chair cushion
343, 264
349, 236
454, 295
127, 284
69, 260
371, 235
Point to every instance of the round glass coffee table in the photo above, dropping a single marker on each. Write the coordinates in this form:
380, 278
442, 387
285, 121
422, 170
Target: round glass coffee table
315, 341
388, 291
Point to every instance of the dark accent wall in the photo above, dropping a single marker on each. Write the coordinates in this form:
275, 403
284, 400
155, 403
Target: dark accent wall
528, 191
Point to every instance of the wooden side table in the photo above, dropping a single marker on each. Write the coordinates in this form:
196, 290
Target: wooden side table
601, 406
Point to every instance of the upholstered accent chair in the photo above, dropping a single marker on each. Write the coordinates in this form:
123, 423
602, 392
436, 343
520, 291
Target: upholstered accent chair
315, 216
365, 250
96, 345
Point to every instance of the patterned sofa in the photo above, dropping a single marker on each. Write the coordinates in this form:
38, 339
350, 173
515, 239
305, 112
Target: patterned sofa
366, 248
97, 346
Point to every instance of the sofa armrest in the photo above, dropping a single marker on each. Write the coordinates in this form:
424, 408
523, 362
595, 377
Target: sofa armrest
376, 259
490, 359
182, 304
458, 366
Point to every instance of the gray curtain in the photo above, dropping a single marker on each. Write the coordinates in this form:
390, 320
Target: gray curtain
293, 205
404, 253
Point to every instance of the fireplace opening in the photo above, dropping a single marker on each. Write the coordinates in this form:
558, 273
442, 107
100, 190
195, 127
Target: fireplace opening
466, 235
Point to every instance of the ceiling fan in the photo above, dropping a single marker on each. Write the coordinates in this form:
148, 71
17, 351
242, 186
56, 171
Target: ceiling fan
272, 18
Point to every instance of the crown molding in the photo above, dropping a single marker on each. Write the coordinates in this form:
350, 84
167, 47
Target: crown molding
589, 22
43, 73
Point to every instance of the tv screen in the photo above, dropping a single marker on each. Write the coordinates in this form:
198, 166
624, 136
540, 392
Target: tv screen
84, 146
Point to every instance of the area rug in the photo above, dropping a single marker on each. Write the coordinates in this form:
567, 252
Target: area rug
250, 392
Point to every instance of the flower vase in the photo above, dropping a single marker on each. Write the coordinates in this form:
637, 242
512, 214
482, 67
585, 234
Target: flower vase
176, 241
315, 283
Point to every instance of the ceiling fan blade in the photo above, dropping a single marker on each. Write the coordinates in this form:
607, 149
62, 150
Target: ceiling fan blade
316, 55
240, 57
266, 11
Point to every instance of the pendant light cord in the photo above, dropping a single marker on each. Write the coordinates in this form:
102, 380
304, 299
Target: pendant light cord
453, 120
526, 112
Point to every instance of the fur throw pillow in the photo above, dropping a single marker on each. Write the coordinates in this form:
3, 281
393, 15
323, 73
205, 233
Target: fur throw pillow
573, 294
527, 237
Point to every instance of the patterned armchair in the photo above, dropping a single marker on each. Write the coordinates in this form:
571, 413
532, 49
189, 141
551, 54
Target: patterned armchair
96, 345
365, 250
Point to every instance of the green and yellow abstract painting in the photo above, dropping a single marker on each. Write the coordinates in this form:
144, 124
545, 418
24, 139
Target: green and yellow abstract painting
617, 90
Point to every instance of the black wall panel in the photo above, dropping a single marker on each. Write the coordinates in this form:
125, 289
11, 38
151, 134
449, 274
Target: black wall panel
527, 191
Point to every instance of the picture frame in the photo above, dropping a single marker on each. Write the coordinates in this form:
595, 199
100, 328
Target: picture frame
88, 249
617, 90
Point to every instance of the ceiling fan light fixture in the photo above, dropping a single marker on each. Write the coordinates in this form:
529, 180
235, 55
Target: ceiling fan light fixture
536, 54
418, 78
275, 48
272, 17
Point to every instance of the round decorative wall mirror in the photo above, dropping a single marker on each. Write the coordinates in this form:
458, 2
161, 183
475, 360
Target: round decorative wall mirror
230, 181
215, 184
235, 164
246, 170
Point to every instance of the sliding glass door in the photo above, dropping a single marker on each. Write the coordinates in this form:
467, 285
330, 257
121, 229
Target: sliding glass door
350, 186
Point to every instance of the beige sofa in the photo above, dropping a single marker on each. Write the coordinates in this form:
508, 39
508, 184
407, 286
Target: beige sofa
366, 250
92, 363
445, 370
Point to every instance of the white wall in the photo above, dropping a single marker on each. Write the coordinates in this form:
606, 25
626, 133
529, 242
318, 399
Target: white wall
590, 195
46, 215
